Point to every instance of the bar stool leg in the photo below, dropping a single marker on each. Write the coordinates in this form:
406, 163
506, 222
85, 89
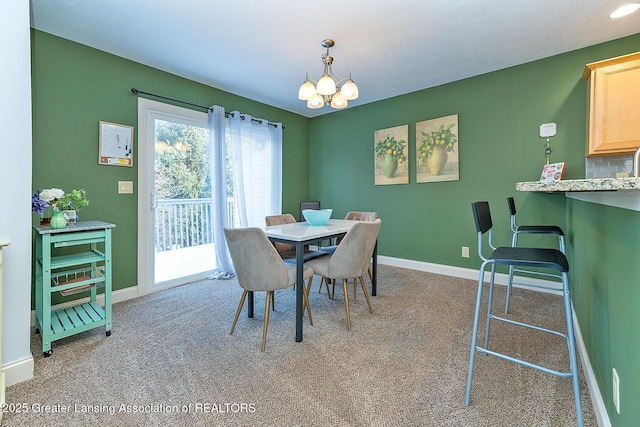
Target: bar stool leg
573, 359
489, 306
474, 338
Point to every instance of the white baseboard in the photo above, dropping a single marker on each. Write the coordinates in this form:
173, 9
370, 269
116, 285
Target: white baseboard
469, 273
466, 273
19, 371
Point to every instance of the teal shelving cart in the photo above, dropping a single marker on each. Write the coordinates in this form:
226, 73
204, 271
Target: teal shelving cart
84, 267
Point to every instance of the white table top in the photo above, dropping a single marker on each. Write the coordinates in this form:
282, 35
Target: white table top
301, 231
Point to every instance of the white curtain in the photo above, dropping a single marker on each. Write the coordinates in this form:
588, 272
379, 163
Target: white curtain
255, 152
217, 145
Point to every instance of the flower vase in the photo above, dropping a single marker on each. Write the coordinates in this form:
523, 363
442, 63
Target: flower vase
437, 159
58, 220
389, 166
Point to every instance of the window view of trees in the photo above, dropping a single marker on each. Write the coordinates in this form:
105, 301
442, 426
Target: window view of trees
182, 161
182, 186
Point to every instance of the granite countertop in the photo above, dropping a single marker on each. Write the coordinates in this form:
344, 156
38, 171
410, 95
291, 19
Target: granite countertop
79, 226
575, 185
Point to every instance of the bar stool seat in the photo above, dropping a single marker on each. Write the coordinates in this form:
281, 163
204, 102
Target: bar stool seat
546, 258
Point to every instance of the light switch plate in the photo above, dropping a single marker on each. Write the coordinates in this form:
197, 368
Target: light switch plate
547, 130
125, 187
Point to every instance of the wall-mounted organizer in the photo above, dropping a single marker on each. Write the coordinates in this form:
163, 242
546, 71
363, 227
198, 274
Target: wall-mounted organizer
86, 267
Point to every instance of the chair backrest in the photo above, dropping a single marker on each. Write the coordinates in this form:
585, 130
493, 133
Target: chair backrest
512, 206
308, 205
257, 263
352, 256
512, 213
482, 215
279, 220
361, 216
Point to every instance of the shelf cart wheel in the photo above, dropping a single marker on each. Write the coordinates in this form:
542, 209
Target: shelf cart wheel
108, 333
47, 353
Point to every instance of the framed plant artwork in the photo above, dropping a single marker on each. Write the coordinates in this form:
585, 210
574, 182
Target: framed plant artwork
390, 156
437, 150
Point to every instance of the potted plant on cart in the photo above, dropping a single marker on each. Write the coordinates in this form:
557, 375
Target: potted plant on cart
71, 203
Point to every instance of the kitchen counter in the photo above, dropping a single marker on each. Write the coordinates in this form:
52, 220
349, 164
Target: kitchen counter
569, 185
619, 192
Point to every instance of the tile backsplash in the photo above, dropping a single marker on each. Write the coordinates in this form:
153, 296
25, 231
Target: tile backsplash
608, 166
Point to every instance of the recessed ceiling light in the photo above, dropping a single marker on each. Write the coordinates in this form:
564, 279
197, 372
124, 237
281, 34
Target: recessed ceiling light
624, 10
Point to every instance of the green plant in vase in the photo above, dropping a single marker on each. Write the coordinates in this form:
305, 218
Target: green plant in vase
434, 148
72, 202
391, 151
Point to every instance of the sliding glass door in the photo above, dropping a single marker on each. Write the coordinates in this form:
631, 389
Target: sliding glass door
176, 242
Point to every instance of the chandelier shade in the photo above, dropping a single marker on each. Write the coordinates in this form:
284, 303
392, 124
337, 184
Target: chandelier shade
328, 90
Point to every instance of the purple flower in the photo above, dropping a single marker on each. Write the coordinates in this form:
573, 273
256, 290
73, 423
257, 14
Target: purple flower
37, 204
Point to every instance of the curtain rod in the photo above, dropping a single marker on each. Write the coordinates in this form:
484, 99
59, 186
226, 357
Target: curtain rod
137, 92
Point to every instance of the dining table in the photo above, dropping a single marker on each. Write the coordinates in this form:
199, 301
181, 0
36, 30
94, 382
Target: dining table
301, 234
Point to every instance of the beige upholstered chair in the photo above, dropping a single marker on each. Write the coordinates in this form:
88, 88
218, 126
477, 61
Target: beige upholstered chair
353, 216
288, 252
259, 268
350, 259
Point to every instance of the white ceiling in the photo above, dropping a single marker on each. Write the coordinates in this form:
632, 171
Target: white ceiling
262, 49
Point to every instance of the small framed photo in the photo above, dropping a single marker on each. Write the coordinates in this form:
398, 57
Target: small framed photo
116, 145
552, 172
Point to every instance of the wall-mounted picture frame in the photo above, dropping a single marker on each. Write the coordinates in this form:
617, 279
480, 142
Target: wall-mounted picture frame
390, 155
437, 150
116, 144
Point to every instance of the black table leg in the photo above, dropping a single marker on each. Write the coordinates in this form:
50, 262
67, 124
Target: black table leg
374, 281
250, 304
299, 289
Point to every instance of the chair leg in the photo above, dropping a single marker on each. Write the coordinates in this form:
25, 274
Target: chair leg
346, 302
364, 289
354, 290
273, 302
266, 320
306, 299
474, 337
509, 285
233, 326
489, 306
514, 243
573, 359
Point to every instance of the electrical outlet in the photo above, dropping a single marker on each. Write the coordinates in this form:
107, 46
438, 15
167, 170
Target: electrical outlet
616, 390
465, 252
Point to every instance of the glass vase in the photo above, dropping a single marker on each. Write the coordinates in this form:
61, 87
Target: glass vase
58, 220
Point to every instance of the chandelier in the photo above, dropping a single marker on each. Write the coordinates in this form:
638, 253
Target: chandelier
329, 90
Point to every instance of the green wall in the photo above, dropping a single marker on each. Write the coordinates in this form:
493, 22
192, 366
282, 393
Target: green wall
603, 242
499, 115
75, 87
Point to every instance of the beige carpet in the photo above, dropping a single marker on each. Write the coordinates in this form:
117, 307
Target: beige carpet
404, 365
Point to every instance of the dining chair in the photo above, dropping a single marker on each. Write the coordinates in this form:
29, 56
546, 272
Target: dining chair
287, 251
350, 259
259, 268
308, 205
518, 230
545, 258
353, 216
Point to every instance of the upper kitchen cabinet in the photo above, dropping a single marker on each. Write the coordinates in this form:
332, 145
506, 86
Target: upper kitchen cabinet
613, 101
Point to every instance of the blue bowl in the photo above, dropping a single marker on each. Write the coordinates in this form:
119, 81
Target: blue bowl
317, 217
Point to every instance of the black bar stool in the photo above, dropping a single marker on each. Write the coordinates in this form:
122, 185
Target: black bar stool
529, 229
523, 257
